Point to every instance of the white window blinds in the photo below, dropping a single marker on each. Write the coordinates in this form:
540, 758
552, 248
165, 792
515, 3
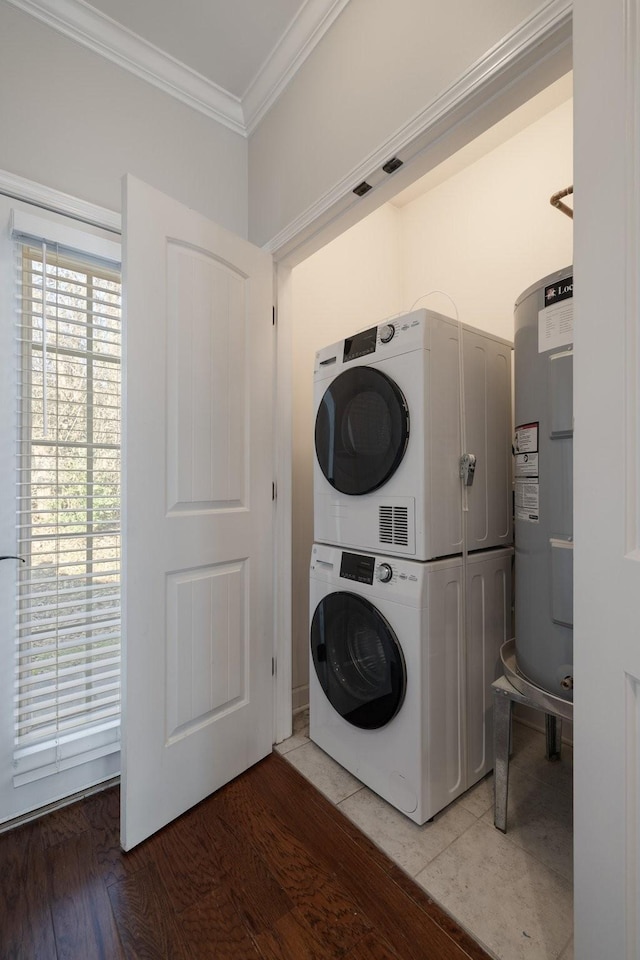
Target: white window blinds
68, 507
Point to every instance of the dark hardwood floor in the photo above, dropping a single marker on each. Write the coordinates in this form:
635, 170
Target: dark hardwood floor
266, 868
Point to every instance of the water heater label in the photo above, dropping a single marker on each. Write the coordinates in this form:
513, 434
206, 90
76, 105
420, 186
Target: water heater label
527, 500
526, 438
562, 290
555, 321
526, 465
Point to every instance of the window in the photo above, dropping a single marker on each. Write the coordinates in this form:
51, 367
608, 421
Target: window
68, 509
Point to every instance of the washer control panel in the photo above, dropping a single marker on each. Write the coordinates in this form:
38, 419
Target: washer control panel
355, 566
373, 576
364, 569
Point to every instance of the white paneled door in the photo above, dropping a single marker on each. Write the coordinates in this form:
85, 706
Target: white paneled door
198, 402
607, 479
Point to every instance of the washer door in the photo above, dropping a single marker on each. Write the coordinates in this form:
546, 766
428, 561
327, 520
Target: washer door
362, 430
358, 660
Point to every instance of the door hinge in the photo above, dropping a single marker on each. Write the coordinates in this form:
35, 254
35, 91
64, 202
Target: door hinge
274, 491
273, 316
273, 666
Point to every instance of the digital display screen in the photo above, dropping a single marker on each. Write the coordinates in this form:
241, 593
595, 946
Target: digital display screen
356, 567
360, 344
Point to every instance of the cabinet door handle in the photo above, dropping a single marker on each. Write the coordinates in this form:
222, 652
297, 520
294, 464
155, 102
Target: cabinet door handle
13, 557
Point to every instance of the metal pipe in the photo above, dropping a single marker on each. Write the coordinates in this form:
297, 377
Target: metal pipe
556, 201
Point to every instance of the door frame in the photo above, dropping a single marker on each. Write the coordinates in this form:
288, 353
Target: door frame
607, 484
527, 61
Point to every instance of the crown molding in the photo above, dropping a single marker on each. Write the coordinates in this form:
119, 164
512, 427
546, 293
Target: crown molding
535, 39
86, 25
47, 198
301, 37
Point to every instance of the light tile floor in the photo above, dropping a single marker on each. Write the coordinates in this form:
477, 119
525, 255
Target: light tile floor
512, 892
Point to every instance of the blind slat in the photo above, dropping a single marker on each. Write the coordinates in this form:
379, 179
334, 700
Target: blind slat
86, 577
71, 698
96, 592
105, 655
71, 702
73, 639
36, 760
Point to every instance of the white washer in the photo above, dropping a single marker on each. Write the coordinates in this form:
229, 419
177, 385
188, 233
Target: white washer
387, 438
397, 695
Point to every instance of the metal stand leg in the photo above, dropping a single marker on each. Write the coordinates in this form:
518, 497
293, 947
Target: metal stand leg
501, 740
553, 729
513, 688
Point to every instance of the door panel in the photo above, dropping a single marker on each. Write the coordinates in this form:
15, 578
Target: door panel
206, 457
198, 533
207, 645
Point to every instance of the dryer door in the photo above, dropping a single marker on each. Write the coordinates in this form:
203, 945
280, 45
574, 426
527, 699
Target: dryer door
358, 660
362, 430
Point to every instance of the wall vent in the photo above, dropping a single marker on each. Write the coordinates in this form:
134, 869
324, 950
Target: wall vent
394, 525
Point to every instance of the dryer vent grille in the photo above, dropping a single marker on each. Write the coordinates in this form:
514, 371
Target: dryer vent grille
394, 525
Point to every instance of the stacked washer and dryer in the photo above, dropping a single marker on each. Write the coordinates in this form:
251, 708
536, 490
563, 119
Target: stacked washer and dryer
410, 581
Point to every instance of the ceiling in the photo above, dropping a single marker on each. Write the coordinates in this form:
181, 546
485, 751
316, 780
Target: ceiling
230, 59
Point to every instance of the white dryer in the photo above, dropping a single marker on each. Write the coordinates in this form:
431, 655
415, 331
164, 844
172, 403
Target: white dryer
387, 405
397, 695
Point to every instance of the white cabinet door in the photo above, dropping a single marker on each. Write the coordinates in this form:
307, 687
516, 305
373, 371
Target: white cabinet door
198, 580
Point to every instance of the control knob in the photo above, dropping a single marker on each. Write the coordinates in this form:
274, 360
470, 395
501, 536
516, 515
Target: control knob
384, 573
387, 333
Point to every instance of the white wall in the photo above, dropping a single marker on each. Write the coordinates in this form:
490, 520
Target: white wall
350, 283
483, 235
378, 67
71, 120
489, 232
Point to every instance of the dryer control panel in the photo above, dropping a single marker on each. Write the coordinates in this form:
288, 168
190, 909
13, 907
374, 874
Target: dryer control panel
360, 345
394, 336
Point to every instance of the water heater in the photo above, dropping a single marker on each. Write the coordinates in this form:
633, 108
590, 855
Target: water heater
543, 482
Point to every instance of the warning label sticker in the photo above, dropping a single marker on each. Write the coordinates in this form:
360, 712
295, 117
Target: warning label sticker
527, 500
526, 438
555, 326
526, 465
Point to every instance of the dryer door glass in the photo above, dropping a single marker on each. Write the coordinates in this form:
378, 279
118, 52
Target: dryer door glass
358, 660
362, 430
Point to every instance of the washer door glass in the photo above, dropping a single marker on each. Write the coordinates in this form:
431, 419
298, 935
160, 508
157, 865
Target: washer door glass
362, 430
358, 660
